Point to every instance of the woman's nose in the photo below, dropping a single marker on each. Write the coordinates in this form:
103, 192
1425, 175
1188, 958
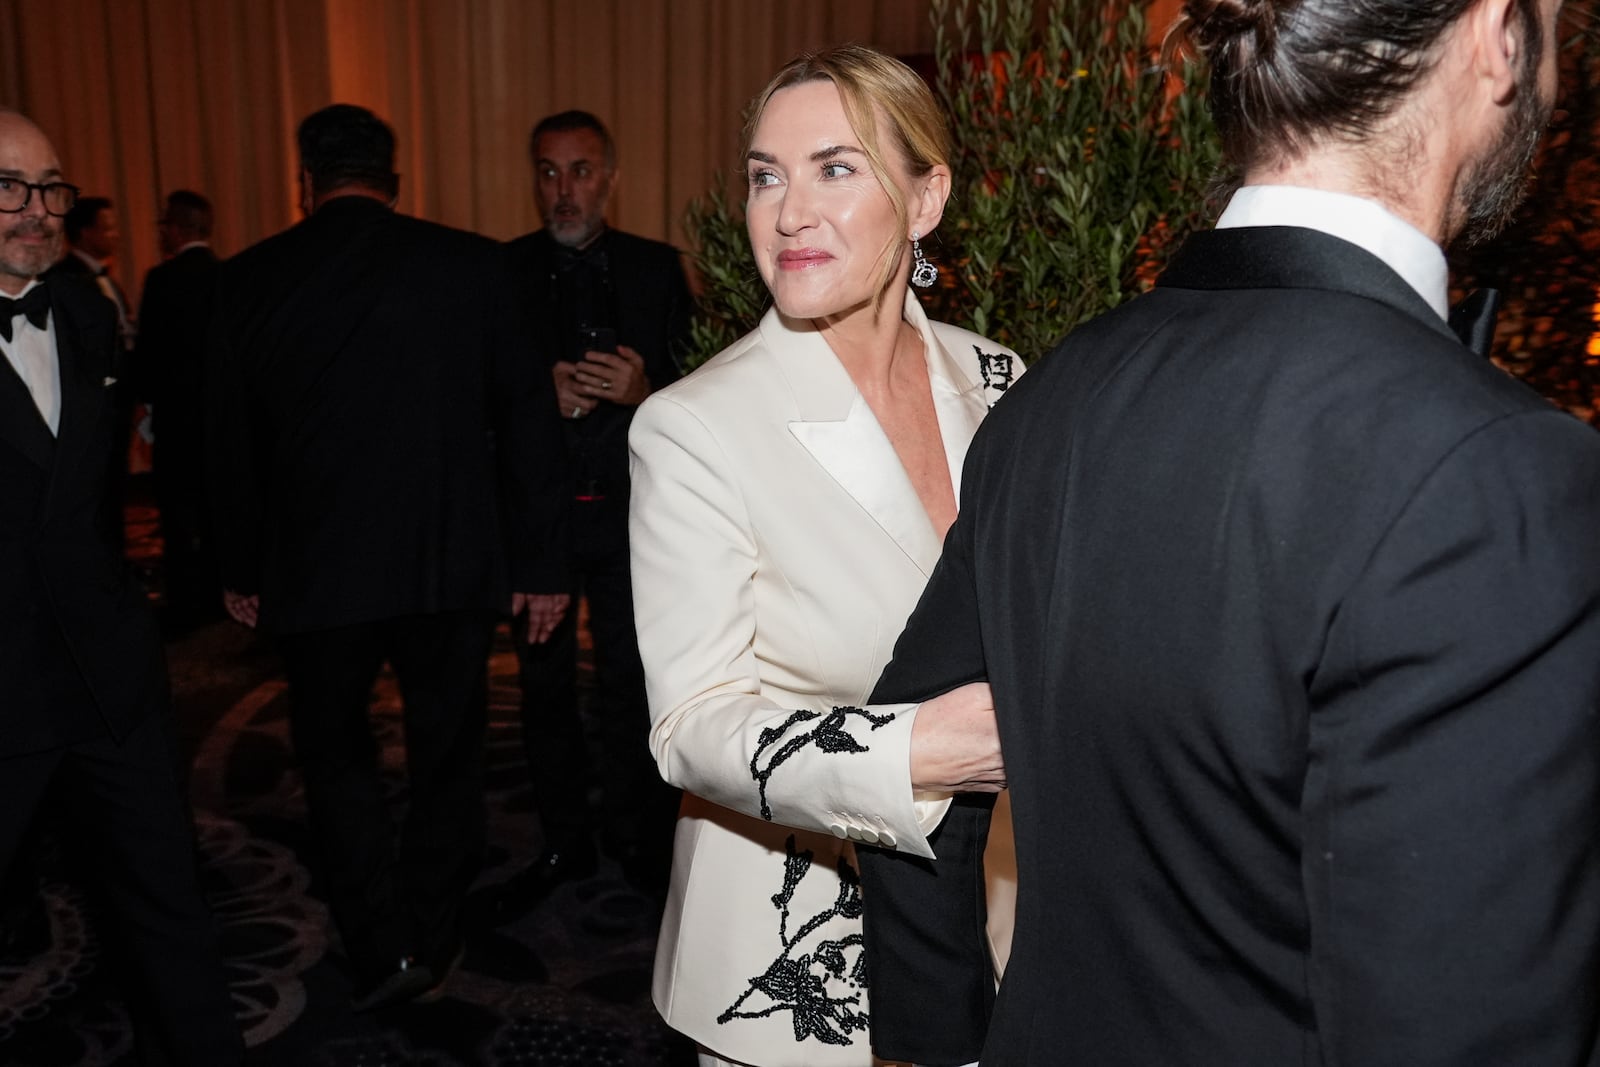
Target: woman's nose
798, 211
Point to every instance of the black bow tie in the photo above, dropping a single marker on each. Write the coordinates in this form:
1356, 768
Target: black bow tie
1473, 319
35, 304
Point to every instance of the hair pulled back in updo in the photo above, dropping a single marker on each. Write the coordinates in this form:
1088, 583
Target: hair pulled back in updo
1288, 73
872, 86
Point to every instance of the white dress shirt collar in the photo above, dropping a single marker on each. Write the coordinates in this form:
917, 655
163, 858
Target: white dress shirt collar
1365, 223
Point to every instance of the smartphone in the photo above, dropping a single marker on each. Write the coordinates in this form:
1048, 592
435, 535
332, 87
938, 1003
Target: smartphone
596, 339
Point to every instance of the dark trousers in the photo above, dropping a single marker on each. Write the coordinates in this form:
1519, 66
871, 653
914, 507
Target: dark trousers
638, 808
188, 564
391, 902
125, 808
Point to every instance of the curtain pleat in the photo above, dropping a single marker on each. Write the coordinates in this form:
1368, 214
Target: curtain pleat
145, 96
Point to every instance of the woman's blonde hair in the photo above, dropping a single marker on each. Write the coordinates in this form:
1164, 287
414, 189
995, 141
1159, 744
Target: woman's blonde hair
871, 84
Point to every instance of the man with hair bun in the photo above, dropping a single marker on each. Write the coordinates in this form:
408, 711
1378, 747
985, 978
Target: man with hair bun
1290, 603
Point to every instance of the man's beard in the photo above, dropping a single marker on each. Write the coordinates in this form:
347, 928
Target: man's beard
1499, 181
29, 262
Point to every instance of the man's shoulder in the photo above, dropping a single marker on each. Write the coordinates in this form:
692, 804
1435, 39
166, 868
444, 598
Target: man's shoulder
70, 265
270, 247
630, 252
191, 263
427, 230
631, 244
80, 297
387, 233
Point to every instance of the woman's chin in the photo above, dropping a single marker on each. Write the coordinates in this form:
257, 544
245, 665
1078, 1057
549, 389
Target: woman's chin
819, 307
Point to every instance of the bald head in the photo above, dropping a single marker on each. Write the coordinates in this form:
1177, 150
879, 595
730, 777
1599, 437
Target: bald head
30, 239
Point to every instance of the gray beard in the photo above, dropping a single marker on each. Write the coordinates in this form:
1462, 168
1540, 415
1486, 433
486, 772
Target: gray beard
1499, 181
28, 265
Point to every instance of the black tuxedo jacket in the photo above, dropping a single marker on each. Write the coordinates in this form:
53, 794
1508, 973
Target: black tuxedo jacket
169, 359
79, 649
379, 443
1291, 607
649, 306
71, 265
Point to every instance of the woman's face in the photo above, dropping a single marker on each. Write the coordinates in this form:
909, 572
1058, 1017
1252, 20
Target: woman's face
820, 221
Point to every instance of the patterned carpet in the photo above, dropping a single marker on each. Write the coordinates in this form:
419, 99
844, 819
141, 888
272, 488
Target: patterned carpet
566, 984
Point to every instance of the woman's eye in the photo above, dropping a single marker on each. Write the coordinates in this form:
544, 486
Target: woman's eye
837, 170
762, 177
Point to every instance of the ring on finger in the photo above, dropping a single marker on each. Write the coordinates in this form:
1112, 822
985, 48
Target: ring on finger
577, 411
605, 383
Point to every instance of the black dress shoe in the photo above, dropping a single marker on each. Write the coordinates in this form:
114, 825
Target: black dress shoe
519, 894
408, 981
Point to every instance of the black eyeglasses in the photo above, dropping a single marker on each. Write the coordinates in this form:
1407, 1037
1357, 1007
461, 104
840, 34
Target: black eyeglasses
57, 197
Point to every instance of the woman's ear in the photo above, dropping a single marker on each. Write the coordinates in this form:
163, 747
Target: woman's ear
926, 208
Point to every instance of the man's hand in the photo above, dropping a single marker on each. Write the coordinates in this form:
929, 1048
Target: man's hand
242, 609
572, 401
618, 377
955, 743
545, 611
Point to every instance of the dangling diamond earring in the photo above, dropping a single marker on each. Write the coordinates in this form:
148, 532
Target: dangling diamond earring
923, 273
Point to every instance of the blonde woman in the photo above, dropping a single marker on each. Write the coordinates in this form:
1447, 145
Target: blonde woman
789, 501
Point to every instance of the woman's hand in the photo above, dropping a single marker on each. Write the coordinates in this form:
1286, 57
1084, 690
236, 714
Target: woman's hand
955, 743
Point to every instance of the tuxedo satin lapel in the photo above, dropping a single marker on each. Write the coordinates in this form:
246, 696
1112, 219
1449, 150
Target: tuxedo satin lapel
84, 387
21, 425
1289, 257
839, 431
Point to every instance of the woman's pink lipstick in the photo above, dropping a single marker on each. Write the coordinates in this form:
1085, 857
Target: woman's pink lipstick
802, 258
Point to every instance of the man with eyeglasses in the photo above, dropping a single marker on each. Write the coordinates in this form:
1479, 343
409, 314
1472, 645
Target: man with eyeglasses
81, 672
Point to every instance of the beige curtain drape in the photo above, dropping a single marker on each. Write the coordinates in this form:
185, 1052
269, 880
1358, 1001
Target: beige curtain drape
145, 96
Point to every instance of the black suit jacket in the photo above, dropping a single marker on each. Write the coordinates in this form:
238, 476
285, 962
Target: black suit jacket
649, 307
72, 265
1291, 607
169, 359
380, 444
81, 651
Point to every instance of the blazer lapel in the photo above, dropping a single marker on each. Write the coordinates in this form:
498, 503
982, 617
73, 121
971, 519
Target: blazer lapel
84, 386
837, 428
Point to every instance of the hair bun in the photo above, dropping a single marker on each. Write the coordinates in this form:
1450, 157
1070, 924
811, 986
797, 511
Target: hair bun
1213, 23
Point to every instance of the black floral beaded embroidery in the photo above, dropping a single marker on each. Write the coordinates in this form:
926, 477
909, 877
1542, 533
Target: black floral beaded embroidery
829, 735
823, 988
998, 373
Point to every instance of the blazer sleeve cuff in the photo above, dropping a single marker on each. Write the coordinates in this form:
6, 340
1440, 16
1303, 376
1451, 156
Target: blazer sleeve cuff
865, 795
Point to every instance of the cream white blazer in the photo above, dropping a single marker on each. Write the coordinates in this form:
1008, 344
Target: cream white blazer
778, 547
